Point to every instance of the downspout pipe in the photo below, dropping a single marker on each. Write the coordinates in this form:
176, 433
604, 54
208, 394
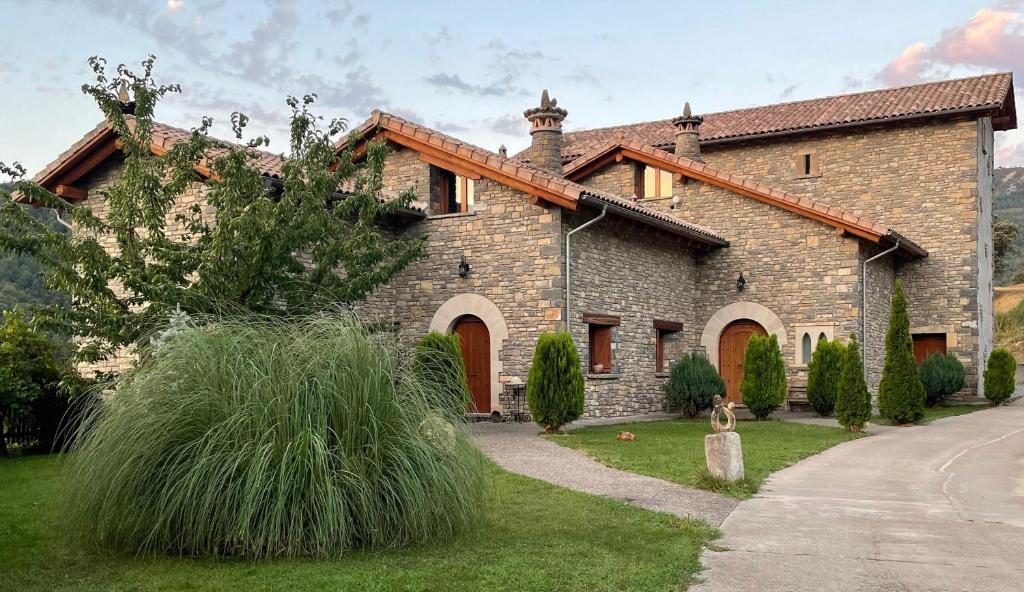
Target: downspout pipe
864, 308
568, 266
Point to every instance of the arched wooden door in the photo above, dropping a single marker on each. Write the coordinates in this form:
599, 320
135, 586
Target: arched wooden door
476, 353
732, 345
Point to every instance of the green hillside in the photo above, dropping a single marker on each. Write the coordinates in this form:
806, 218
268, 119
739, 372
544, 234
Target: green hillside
20, 281
1008, 204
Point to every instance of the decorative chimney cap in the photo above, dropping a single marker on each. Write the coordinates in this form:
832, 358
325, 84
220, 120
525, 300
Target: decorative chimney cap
127, 104
687, 122
503, 151
547, 117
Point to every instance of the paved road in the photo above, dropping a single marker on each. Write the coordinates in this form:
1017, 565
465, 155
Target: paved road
518, 448
937, 507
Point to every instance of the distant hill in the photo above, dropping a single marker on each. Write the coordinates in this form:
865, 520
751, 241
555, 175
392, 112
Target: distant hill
1008, 204
20, 281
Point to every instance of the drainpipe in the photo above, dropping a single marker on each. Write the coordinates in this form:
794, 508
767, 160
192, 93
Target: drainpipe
63, 223
864, 308
568, 266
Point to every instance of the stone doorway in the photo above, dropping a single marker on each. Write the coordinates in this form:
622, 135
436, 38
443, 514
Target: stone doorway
732, 346
476, 353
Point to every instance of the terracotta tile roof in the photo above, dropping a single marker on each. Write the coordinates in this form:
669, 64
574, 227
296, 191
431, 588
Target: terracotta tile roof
163, 137
856, 225
503, 170
992, 93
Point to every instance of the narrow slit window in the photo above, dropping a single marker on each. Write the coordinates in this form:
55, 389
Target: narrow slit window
806, 347
807, 164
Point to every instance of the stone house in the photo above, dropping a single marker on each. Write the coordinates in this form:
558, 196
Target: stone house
692, 233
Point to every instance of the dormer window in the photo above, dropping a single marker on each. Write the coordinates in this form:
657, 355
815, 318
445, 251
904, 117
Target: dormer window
807, 164
653, 182
450, 193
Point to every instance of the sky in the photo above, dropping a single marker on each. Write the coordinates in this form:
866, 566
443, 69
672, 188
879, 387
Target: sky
471, 68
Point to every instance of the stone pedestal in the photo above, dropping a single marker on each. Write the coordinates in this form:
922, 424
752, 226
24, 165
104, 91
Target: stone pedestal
724, 456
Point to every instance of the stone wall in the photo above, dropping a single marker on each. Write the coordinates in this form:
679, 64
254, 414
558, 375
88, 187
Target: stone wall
635, 273
921, 178
879, 284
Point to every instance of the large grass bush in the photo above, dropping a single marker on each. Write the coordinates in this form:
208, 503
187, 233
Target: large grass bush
554, 388
823, 376
693, 384
266, 438
999, 376
764, 376
439, 364
942, 375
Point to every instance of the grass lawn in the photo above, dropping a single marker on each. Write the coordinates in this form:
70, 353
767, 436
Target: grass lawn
933, 413
674, 449
537, 537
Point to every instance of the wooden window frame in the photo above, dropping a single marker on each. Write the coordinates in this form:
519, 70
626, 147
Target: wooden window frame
600, 340
663, 329
451, 189
807, 165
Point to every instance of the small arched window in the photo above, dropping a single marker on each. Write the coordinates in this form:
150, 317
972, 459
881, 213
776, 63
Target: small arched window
806, 346
821, 337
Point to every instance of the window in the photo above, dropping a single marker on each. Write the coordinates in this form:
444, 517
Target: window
807, 164
663, 339
652, 182
600, 333
450, 193
806, 345
808, 336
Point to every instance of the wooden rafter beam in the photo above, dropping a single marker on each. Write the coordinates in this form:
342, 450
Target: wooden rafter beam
451, 165
90, 162
71, 193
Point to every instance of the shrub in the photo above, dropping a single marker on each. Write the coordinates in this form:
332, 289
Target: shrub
999, 376
693, 384
554, 389
942, 375
764, 376
900, 394
439, 365
823, 376
853, 401
265, 438
29, 370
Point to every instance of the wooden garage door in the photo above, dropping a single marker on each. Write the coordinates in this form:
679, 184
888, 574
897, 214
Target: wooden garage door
731, 348
476, 352
926, 344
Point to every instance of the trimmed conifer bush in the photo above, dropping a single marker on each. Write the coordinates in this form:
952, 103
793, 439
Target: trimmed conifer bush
823, 376
693, 384
853, 401
439, 364
764, 376
554, 389
262, 438
942, 375
999, 376
900, 394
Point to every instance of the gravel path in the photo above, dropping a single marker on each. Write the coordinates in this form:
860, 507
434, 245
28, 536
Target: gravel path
519, 449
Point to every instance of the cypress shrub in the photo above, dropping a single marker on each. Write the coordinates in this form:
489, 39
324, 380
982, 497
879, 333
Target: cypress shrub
901, 393
853, 401
764, 376
554, 389
999, 376
942, 375
439, 364
265, 437
823, 376
693, 384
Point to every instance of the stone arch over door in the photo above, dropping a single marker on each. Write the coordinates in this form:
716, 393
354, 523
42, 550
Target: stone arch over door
738, 311
482, 308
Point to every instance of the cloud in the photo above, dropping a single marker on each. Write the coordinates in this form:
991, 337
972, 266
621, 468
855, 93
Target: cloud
453, 82
992, 38
337, 16
511, 125
443, 35
582, 75
852, 82
175, 5
1009, 149
449, 127
787, 93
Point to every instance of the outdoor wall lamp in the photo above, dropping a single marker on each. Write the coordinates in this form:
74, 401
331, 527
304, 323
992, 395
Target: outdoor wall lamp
740, 283
463, 267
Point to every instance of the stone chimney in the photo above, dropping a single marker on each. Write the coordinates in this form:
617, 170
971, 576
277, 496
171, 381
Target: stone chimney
546, 129
687, 134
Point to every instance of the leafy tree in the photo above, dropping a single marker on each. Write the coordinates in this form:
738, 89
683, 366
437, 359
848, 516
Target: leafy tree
288, 246
1000, 376
764, 376
823, 374
942, 375
439, 364
693, 384
21, 281
853, 401
28, 369
554, 388
901, 394
1004, 239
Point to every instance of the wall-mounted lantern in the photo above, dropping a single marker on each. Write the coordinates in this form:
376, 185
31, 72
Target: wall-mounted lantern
463, 267
740, 283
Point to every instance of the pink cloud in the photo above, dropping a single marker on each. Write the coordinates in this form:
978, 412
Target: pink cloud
1009, 149
993, 39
